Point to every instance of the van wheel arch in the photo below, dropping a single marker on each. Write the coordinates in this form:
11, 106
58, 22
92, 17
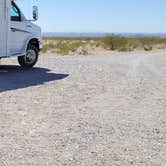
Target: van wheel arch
35, 43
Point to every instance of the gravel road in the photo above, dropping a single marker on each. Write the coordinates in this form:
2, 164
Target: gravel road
84, 111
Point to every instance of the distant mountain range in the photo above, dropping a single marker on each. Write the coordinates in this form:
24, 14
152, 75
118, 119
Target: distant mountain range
74, 34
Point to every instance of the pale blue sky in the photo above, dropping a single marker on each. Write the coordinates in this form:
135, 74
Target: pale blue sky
100, 15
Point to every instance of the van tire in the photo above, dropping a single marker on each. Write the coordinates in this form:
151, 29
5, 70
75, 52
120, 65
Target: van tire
28, 62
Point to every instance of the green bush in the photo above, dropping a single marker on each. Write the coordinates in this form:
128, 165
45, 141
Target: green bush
115, 42
45, 48
148, 48
63, 48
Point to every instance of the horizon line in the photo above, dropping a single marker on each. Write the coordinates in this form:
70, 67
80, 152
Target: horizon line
110, 32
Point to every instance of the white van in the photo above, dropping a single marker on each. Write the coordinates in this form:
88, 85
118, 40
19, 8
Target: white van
18, 36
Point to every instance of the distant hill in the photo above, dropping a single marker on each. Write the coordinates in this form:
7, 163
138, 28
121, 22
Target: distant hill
73, 34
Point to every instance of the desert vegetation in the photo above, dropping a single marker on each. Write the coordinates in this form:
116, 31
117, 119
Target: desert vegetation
102, 45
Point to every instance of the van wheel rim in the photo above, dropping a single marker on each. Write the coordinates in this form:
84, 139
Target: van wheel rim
30, 56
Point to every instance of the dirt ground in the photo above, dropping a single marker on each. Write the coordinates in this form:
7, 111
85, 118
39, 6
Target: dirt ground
84, 111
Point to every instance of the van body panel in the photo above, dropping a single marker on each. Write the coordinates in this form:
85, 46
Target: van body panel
16, 43
4, 27
15, 34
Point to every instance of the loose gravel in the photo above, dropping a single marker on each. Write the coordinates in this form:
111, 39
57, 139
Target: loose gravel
84, 111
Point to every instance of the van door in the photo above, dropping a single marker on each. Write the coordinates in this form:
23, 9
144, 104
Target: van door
18, 31
3, 28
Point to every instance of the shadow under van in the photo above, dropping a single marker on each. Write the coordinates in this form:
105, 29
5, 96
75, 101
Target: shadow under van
15, 77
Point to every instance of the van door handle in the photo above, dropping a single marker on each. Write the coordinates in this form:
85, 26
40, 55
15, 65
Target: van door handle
13, 29
29, 26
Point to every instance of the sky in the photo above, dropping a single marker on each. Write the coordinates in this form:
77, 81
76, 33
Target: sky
131, 16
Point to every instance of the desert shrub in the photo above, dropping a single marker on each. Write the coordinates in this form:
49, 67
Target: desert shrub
62, 48
136, 43
84, 52
45, 48
148, 48
69, 46
152, 40
115, 42
51, 46
125, 49
98, 44
75, 45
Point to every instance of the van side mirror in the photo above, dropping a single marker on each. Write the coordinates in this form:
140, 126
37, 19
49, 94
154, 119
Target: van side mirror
35, 13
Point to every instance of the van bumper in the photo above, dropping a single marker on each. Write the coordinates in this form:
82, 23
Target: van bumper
40, 45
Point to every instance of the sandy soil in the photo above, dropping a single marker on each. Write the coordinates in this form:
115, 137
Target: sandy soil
84, 111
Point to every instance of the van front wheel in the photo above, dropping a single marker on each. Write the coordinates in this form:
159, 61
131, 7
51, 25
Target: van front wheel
31, 57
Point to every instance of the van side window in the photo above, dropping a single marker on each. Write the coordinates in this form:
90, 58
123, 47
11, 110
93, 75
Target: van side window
15, 13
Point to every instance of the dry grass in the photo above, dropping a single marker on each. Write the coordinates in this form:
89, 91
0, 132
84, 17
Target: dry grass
77, 46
